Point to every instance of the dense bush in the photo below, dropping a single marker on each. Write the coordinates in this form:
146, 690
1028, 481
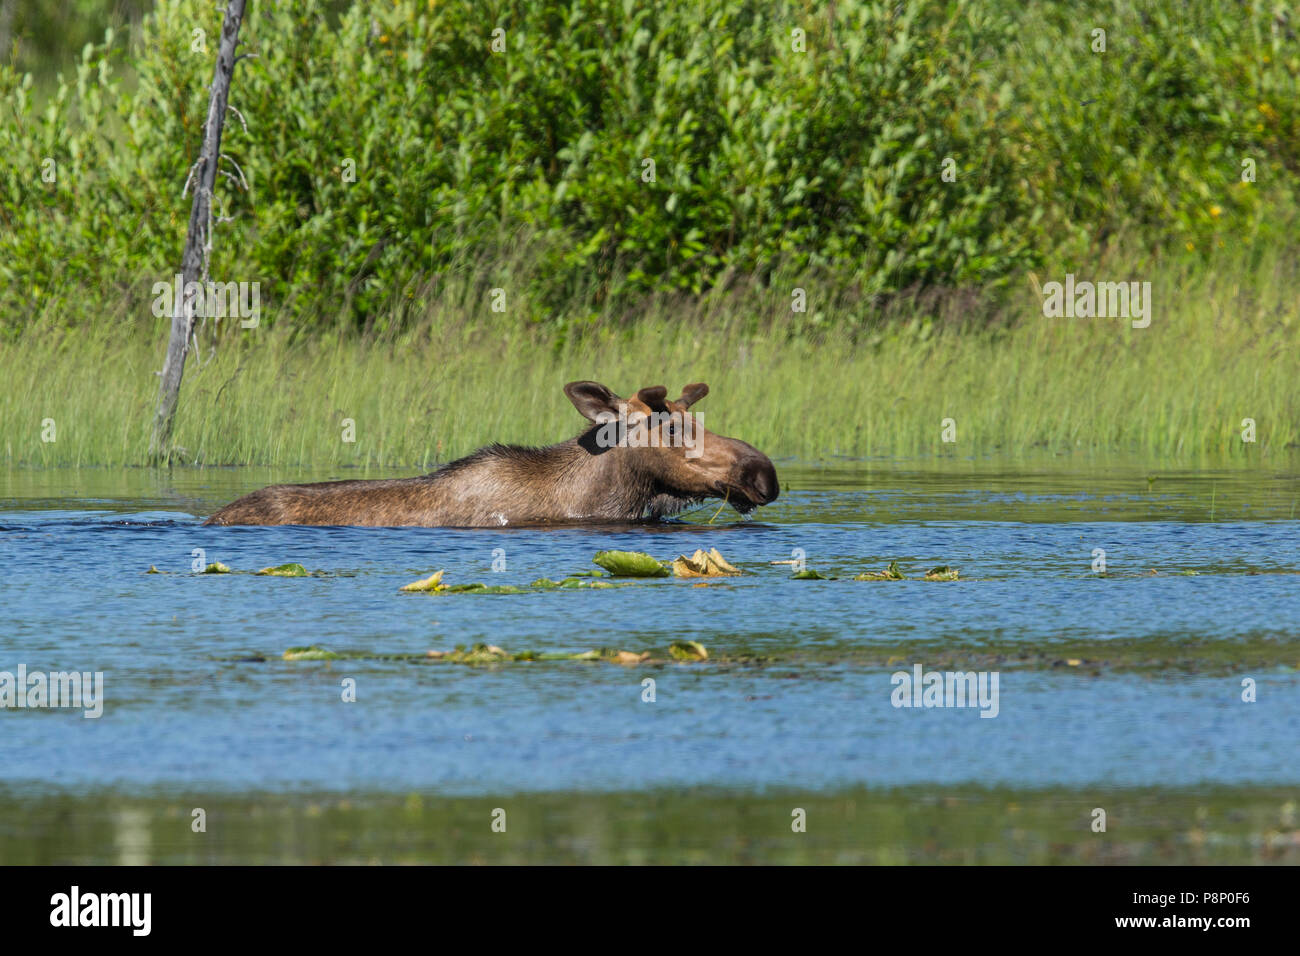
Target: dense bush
38, 35
526, 169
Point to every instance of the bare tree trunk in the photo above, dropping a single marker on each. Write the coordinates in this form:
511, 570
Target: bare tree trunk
6, 24
198, 240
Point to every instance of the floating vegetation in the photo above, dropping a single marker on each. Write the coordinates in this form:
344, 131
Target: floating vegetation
630, 657
490, 654
890, 573
1216, 570
631, 564
941, 573
286, 571
291, 570
432, 583
479, 588
702, 564
573, 581
688, 651
478, 654
313, 652
1159, 655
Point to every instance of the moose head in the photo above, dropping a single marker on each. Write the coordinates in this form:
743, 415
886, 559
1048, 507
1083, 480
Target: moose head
665, 448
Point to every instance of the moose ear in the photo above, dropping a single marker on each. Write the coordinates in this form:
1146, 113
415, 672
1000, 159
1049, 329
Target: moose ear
654, 398
593, 400
692, 394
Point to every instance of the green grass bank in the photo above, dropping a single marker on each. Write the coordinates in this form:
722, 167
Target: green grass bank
1221, 348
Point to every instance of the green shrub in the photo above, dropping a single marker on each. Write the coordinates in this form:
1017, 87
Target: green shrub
526, 170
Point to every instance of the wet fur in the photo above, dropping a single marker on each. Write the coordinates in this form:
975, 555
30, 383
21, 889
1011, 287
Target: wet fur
588, 479
479, 490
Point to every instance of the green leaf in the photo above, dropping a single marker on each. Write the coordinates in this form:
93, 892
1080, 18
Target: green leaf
432, 583
890, 573
631, 564
808, 574
688, 651
941, 573
312, 652
286, 571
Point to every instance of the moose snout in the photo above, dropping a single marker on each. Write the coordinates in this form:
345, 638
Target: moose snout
757, 477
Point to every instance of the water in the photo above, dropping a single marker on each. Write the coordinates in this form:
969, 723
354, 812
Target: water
796, 695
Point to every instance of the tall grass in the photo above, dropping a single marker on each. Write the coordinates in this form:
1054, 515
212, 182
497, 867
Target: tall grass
1222, 347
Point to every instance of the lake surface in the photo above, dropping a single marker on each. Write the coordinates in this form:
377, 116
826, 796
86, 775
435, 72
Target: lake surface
1128, 680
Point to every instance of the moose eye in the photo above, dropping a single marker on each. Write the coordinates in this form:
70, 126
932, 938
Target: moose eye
672, 429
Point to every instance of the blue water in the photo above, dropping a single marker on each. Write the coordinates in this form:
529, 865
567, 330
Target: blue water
179, 714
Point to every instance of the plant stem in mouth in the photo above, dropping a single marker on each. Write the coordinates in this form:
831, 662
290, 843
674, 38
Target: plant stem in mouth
721, 506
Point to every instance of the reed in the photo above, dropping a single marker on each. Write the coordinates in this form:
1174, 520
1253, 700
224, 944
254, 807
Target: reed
1222, 347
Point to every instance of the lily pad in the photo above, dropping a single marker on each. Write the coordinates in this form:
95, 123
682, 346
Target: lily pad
628, 657
477, 654
631, 564
890, 573
701, 564
216, 567
286, 571
479, 588
313, 652
571, 582
688, 651
491, 654
808, 574
432, 583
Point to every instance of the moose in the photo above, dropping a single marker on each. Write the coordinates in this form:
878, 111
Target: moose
641, 458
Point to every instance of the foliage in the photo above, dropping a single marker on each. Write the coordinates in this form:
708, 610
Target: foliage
525, 170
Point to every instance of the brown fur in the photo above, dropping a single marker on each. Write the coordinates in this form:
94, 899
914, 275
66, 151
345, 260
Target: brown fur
580, 480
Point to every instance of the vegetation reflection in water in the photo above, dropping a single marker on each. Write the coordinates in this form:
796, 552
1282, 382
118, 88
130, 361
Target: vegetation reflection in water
906, 826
